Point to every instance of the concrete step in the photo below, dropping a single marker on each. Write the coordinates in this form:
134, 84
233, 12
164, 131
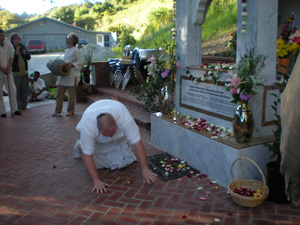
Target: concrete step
134, 106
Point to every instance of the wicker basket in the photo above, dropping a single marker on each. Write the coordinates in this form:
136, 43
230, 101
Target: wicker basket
252, 184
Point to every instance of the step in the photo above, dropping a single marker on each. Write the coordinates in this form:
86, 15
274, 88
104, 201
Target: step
135, 107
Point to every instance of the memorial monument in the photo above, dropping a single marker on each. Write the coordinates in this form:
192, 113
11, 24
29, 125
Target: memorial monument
212, 102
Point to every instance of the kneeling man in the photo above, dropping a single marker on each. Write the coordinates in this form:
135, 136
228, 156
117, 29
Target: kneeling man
106, 132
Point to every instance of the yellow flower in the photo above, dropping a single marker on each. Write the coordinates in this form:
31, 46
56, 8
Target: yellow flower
168, 66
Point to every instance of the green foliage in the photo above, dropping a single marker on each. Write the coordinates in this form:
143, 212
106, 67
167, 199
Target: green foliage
64, 13
161, 62
220, 18
9, 20
157, 38
126, 38
158, 18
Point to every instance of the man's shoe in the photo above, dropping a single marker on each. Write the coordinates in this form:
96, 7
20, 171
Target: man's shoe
3, 115
17, 113
77, 153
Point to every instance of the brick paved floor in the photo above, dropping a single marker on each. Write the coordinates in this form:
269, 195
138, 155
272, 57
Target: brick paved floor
41, 183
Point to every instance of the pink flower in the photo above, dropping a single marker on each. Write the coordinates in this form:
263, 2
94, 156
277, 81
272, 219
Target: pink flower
234, 82
177, 65
152, 60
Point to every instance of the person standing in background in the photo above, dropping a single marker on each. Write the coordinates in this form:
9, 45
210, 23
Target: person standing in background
69, 82
6, 78
20, 70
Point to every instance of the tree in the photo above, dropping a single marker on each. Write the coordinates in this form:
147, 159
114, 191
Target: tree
64, 13
9, 20
126, 38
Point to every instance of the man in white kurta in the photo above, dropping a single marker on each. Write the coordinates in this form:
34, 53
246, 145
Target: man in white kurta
6, 78
39, 86
104, 150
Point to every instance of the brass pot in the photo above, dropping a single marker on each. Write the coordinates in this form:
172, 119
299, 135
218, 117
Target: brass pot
243, 123
166, 100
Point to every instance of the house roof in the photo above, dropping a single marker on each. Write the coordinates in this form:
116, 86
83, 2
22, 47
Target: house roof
60, 22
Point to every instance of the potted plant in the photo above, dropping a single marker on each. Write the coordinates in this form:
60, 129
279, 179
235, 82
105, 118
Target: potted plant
284, 51
275, 180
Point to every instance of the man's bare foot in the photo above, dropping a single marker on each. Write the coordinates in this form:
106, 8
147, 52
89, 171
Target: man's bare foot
77, 150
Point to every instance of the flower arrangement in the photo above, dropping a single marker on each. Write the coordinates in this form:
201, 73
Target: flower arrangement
295, 37
162, 68
245, 82
286, 50
161, 71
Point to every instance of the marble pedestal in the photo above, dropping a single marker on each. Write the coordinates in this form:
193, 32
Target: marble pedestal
213, 157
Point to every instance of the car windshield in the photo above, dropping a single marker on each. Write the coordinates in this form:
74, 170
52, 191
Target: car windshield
34, 42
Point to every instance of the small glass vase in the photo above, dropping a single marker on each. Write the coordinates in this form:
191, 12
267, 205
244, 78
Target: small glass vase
166, 100
243, 123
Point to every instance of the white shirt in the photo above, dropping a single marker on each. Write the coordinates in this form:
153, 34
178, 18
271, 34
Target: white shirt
72, 55
39, 84
6, 53
91, 138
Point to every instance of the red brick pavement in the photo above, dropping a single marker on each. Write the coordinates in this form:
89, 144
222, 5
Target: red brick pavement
41, 183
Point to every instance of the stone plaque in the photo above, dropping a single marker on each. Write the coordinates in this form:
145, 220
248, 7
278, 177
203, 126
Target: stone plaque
206, 98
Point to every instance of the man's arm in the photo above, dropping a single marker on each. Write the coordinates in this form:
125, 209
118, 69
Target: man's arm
7, 70
99, 186
147, 174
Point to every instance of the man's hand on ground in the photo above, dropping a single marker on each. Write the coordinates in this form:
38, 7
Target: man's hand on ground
99, 186
148, 176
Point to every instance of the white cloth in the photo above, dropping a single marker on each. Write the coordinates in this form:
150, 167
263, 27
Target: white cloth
6, 53
290, 136
39, 84
109, 152
12, 93
72, 55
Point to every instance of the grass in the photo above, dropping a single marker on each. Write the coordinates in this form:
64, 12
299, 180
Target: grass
220, 19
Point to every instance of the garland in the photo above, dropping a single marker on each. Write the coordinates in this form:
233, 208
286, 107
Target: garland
173, 30
212, 73
244, 16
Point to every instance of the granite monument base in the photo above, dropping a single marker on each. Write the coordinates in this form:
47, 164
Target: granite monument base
213, 157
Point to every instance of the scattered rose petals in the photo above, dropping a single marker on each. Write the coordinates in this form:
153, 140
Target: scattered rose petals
179, 178
202, 198
208, 193
53, 167
229, 214
155, 168
183, 216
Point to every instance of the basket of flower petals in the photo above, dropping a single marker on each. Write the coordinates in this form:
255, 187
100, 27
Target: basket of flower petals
246, 192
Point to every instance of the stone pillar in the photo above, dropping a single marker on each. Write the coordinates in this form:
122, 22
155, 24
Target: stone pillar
262, 36
189, 19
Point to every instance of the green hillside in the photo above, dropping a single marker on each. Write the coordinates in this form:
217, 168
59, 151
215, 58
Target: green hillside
142, 23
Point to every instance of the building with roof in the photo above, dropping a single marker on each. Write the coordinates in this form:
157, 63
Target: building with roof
54, 32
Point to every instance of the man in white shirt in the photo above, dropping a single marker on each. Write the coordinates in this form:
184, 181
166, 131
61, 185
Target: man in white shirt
6, 78
106, 132
39, 87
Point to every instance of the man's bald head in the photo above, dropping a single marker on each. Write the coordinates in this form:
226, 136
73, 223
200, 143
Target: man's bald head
106, 124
